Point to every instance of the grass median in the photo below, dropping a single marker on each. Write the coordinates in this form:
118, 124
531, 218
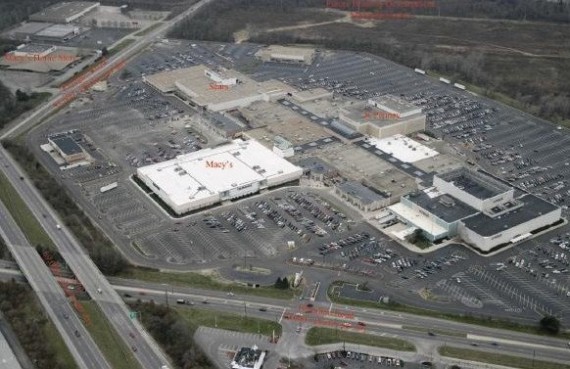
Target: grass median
22, 215
230, 322
322, 336
204, 282
117, 353
499, 359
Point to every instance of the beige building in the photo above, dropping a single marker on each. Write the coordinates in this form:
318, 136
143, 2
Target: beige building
286, 54
218, 90
383, 117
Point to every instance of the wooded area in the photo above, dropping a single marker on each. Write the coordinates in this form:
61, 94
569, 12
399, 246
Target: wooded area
34, 331
12, 105
173, 334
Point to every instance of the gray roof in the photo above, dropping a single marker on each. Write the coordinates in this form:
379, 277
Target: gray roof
444, 207
477, 184
361, 192
487, 226
66, 144
316, 165
226, 124
34, 48
62, 10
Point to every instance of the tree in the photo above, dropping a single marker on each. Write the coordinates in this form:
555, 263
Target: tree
278, 282
22, 96
104, 51
550, 324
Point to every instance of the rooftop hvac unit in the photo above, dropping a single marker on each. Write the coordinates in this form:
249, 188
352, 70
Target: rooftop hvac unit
446, 201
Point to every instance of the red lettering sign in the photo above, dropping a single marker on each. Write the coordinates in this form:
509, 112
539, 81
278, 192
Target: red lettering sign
215, 86
219, 164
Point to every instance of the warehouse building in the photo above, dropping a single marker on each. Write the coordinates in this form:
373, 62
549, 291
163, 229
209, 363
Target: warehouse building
210, 176
286, 54
383, 117
26, 30
481, 210
57, 33
361, 196
64, 12
218, 90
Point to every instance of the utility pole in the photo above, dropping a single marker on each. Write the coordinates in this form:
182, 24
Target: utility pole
166, 293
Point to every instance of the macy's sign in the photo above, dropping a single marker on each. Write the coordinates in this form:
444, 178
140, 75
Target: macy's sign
219, 164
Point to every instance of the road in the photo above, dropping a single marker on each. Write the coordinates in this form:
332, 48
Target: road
406, 326
75, 335
146, 351
114, 61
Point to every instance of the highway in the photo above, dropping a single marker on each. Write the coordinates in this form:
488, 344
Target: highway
146, 351
75, 335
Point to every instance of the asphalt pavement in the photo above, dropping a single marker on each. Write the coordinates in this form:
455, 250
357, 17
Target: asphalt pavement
75, 335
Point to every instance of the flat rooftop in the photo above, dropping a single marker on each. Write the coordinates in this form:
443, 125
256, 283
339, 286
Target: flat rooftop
418, 219
312, 94
204, 173
360, 192
57, 30
402, 148
63, 10
395, 104
476, 184
66, 144
365, 114
487, 226
34, 48
288, 51
443, 206
195, 84
316, 165
30, 28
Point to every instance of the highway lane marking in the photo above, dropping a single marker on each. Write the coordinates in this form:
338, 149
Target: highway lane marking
513, 342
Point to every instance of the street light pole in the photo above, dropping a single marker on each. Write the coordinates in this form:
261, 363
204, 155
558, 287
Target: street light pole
166, 293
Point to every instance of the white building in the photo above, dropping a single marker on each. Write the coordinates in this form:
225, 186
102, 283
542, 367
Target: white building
282, 147
483, 211
207, 177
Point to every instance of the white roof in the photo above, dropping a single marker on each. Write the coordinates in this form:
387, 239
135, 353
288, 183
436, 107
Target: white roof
210, 171
403, 148
418, 219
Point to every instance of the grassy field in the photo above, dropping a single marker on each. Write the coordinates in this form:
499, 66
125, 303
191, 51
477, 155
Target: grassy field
499, 359
468, 319
203, 282
22, 215
116, 352
231, 322
320, 336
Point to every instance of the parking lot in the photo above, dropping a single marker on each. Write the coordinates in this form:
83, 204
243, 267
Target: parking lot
350, 359
132, 125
